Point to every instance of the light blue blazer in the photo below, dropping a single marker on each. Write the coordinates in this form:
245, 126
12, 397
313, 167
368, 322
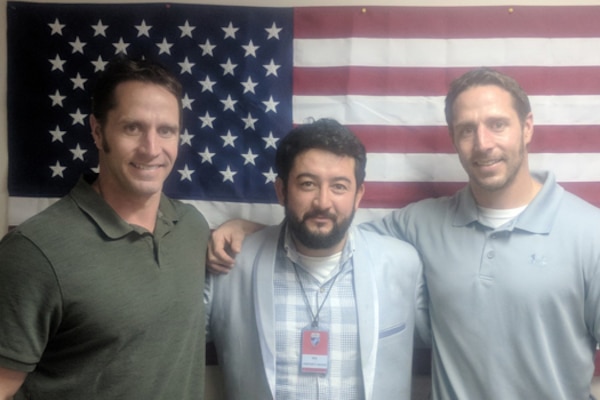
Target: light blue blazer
240, 315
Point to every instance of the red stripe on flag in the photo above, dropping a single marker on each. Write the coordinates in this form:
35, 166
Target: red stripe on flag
566, 139
370, 81
399, 194
446, 22
404, 139
436, 139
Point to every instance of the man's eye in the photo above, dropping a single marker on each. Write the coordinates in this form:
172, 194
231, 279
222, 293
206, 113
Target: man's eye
498, 125
132, 129
167, 132
307, 184
466, 131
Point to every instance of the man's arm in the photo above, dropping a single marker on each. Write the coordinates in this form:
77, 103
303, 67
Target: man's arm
10, 382
422, 321
226, 242
393, 224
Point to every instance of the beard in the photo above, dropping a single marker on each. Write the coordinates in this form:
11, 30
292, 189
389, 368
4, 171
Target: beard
316, 240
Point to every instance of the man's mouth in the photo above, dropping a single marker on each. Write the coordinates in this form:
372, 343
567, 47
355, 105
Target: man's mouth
320, 216
486, 163
146, 167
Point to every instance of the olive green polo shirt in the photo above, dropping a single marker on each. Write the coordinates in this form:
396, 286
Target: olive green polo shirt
94, 308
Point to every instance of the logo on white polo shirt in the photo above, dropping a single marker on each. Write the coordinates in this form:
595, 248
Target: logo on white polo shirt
537, 259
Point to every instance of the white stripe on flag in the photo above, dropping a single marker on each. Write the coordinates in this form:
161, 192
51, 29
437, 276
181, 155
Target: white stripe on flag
440, 167
429, 110
447, 53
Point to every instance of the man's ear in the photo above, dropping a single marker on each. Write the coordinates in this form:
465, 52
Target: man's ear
96, 131
359, 195
280, 191
528, 129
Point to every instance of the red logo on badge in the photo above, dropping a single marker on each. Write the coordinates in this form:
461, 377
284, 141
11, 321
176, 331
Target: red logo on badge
315, 338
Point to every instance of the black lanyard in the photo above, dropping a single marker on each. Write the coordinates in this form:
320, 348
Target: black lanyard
315, 318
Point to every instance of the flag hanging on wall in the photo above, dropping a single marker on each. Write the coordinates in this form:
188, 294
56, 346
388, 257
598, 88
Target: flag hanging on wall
251, 73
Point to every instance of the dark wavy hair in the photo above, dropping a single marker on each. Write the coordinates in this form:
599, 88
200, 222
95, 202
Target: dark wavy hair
324, 134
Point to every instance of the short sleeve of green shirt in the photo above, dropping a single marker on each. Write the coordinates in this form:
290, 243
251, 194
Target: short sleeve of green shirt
30, 303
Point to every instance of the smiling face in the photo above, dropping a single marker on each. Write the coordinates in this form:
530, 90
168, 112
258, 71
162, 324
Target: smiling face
320, 200
491, 142
138, 143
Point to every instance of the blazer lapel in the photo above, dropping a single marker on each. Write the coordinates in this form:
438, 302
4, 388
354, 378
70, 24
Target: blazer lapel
367, 305
262, 281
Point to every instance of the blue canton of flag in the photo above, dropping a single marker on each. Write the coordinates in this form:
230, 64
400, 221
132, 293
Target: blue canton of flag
235, 64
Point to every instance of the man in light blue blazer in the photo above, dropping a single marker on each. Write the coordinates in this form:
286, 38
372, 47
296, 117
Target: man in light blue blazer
316, 308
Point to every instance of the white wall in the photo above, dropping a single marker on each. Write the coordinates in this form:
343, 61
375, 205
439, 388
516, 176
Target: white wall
276, 3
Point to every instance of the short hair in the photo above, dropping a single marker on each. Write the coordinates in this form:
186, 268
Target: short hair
324, 134
483, 77
123, 69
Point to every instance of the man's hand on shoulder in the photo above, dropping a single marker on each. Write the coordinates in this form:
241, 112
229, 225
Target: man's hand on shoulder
226, 242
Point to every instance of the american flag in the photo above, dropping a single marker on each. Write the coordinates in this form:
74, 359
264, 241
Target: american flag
251, 73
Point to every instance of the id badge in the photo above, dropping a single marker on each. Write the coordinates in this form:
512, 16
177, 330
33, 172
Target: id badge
314, 355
